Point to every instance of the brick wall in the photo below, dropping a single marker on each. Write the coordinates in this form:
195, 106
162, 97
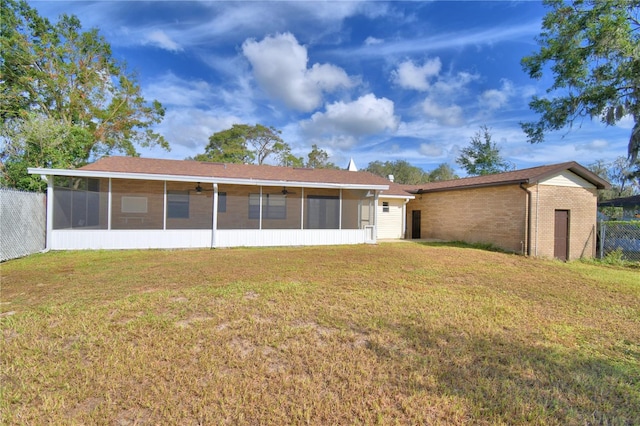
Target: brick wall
153, 191
495, 215
499, 215
581, 204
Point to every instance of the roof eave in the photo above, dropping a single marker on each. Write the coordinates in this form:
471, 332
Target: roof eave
202, 179
478, 185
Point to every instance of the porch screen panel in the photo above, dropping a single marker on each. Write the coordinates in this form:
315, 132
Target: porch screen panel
187, 208
280, 208
137, 204
236, 212
322, 212
352, 201
78, 203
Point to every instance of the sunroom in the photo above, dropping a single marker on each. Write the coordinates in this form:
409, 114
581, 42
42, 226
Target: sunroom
100, 209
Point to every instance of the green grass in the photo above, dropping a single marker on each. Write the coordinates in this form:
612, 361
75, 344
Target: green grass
387, 334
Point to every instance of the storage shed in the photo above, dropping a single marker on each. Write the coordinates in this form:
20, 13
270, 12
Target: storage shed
546, 211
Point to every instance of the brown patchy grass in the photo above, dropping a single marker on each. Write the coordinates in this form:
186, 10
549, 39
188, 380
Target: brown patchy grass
386, 334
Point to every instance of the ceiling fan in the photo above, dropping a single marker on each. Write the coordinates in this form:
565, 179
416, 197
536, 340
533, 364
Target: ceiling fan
285, 191
199, 189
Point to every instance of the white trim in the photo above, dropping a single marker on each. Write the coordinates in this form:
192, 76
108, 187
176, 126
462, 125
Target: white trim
109, 201
214, 223
164, 206
102, 239
202, 179
302, 209
404, 197
340, 210
49, 225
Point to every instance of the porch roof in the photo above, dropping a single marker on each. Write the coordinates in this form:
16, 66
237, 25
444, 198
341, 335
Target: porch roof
205, 172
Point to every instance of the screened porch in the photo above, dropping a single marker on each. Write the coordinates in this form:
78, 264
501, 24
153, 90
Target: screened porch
129, 213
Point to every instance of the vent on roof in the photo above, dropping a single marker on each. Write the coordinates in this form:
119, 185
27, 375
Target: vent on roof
214, 163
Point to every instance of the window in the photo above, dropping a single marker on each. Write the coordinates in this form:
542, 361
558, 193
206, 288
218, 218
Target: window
222, 202
133, 204
177, 204
385, 207
274, 206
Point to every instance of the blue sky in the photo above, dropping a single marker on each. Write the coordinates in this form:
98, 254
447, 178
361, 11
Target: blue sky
369, 80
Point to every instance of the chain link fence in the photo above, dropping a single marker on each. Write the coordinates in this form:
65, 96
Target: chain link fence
620, 235
23, 218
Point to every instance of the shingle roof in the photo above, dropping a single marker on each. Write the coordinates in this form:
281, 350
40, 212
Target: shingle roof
183, 168
531, 175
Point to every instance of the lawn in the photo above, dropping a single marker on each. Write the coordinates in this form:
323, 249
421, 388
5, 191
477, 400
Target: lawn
385, 334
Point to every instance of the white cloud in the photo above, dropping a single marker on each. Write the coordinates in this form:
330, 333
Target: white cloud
191, 127
497, 98
410, 76
448, 41
446, 115
339, 142
369, 41
171, 90
162, 40
594, 145
430, 150
453, 85
367, 115
280, 67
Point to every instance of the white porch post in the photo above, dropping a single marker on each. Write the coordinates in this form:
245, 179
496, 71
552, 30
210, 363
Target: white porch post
109, 207
164, 207
260, 210
214, 224
375, 215
50, 196
404, 218
302, 208
340, 207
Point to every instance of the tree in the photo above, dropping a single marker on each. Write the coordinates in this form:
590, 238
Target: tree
618, 174
592, 49
243, 143
228, 146
287, 159
402, 171
57, 75
39, 141
482, 156
266, 141
319, 159
443, 172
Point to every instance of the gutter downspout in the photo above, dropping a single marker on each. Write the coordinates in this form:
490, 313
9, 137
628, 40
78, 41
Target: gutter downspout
528, 230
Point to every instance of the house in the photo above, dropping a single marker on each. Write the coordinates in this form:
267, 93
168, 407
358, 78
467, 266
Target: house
630, 206
547, 211
129, 202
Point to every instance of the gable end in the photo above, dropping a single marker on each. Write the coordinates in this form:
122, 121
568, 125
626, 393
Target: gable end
567, 178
